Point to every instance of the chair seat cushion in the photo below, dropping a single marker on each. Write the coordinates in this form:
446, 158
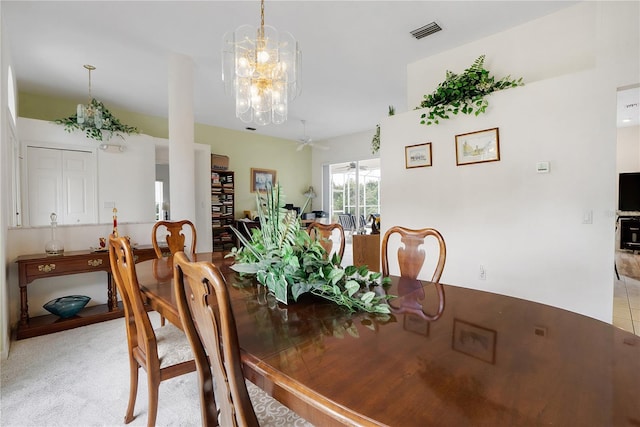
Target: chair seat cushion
173, 346
270, 412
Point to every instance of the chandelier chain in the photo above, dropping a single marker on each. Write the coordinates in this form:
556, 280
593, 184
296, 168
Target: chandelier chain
261, 33
89, 68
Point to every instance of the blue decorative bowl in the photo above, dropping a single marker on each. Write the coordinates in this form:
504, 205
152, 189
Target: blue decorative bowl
66, 306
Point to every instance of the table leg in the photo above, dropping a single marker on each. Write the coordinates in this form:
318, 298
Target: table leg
24, 306
112, 293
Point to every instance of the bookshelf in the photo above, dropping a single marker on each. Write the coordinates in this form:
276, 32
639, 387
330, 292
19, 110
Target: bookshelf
222, 209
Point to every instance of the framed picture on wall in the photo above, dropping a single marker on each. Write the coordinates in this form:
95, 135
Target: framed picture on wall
417, 156
478, 147
262, 179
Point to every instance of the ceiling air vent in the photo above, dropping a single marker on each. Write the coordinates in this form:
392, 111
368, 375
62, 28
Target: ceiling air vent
425, 31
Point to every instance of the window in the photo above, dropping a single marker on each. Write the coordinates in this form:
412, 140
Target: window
355, 188
161, 213
11, 96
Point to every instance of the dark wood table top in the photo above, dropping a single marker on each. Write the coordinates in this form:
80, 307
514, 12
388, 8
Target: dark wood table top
488, 360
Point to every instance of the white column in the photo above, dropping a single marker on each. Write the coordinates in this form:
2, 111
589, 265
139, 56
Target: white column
181, 139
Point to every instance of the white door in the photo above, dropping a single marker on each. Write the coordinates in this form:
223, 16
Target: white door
60, 181
78, 189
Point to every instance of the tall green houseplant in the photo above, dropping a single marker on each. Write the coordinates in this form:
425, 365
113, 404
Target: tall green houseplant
286, 260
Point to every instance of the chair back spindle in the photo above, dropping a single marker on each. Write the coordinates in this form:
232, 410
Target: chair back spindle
324, 233
175, 236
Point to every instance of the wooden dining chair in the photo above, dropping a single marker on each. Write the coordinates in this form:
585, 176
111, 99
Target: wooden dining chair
175, 239
163, 353
411, 258
208, 321
175, 236
324, 233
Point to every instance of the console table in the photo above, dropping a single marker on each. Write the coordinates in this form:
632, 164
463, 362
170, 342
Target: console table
41, 266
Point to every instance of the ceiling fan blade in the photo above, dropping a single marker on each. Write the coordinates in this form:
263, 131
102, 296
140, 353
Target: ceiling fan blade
319, 147
301, 146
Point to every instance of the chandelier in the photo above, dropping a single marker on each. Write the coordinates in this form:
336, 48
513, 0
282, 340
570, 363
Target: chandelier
95, 119
92, 112
261, 67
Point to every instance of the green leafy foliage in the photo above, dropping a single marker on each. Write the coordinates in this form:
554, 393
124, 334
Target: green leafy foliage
464, 93
375, 142
110, 125
289, 262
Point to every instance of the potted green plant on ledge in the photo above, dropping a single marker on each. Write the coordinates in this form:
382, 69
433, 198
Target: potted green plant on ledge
464, 93
290, 263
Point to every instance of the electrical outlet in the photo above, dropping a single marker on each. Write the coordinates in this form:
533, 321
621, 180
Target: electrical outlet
483, 273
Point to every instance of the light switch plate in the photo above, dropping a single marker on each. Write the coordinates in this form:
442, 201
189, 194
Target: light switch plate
542, 167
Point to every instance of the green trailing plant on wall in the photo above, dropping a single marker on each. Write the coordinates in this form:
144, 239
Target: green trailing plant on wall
286, 260
464, 93
375, 142
110, 124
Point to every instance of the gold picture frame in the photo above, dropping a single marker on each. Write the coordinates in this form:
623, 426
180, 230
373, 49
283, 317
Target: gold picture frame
478, 147
417, 156
262, 179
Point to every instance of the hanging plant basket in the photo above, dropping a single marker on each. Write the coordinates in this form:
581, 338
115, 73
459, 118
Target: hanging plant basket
110, 124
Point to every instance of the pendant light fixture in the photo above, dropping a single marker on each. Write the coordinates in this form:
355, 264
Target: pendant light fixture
261, 67
95, 119
92, 112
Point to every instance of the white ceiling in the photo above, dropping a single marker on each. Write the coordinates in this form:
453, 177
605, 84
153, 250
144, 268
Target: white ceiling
354, 52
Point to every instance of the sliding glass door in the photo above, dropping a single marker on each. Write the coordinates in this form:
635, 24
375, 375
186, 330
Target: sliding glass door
354, 189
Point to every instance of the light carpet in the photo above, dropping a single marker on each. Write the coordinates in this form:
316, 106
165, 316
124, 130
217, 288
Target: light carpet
80, 377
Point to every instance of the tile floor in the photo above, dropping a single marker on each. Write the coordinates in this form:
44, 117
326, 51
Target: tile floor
626, 304
626, 292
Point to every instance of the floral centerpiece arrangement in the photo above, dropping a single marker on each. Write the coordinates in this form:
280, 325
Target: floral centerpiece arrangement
464, 93
286, 260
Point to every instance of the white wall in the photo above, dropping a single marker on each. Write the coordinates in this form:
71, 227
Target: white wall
525, 228
126, 179
5, 159
133, 169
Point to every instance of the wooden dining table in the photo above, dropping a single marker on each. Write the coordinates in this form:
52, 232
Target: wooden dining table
489, 359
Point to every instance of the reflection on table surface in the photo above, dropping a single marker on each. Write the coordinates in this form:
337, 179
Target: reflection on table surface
488, 360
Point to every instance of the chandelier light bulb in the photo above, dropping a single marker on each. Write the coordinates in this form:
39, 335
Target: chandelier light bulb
263, 56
